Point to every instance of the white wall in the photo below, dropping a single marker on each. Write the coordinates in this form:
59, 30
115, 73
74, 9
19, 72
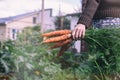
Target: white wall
48, 20
2, 33
18, 25
73, 22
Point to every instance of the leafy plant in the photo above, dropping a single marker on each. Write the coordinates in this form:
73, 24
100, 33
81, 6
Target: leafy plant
62, 23
6, 58
103, 51
32, 59
35, 62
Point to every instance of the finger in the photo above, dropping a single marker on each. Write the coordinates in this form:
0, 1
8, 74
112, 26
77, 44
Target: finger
80, 33
77, 34
74, 33
83, 34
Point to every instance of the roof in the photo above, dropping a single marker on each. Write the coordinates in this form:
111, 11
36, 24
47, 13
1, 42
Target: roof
5, 20
74, 14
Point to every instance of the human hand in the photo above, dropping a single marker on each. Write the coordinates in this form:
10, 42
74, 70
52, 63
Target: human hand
78, 32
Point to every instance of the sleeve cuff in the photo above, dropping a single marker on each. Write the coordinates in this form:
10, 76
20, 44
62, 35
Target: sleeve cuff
84, 20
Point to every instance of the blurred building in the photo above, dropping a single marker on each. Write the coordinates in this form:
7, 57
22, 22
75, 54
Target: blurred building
11, 26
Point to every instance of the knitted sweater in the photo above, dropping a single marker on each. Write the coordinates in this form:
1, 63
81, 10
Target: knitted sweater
97, 9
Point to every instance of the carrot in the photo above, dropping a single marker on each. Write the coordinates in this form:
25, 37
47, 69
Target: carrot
58, 38
62, 43
57, 44
56, 33
62, 50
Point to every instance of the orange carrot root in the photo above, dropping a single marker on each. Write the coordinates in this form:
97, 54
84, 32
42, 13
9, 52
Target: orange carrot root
62, 43
56, 33
58, 38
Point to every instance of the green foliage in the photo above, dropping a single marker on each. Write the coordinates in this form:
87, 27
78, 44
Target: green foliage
36, 28
33, 60
6, 58
65, 24
103, 56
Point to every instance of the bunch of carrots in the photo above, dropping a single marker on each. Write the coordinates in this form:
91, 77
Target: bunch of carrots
61, 38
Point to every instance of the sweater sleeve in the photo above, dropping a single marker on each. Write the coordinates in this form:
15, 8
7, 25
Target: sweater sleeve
90, 8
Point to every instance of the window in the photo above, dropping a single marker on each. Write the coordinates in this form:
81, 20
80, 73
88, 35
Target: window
34, 20
13, 33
